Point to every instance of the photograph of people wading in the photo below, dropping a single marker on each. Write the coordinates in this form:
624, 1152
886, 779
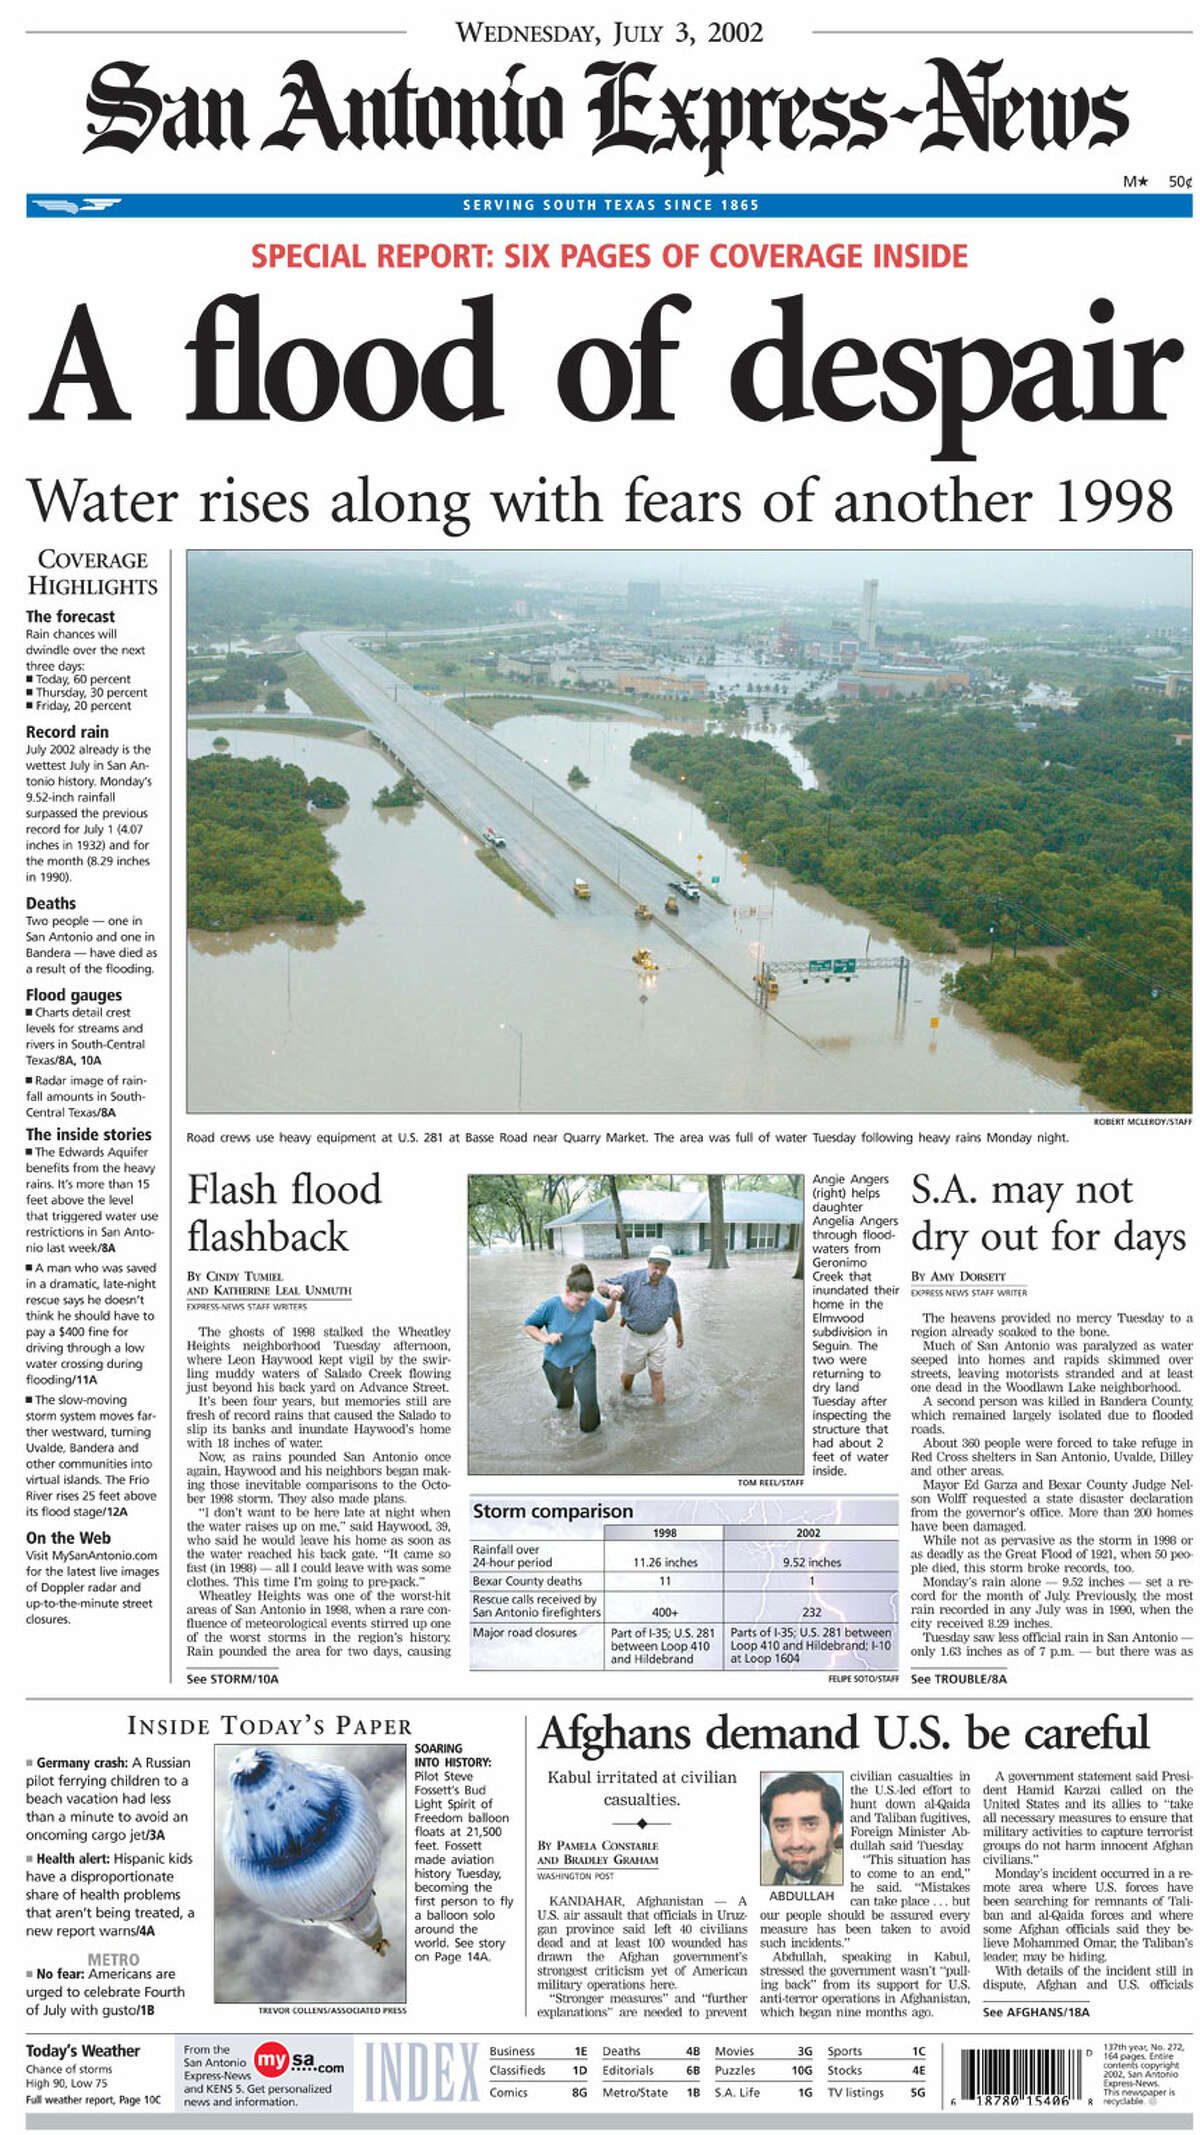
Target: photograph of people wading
563, 1325
706, 1276
649, 1299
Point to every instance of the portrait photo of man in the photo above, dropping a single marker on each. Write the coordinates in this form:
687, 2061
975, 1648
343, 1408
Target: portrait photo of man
802, 1825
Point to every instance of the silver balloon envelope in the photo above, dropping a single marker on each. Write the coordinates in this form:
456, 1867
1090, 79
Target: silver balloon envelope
303, 1842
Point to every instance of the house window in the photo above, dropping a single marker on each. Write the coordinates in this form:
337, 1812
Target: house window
643, 1230
761, 1237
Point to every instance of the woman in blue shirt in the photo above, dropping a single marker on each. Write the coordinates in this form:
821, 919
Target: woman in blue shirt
564, 1325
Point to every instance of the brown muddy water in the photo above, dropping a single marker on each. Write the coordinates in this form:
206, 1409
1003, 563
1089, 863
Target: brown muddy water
734, 1401
453, 993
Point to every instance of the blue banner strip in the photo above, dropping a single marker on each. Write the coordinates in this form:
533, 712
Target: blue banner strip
551, 206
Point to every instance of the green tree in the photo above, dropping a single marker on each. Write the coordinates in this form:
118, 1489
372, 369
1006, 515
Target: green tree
255, 855
1137, 1075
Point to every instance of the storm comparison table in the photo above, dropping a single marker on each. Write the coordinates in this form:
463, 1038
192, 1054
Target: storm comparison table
616, 1581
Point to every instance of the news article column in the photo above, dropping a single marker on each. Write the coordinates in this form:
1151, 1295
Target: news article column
96, 1080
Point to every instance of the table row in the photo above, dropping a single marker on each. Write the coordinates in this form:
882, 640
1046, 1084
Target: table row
828, 1648
693, 1551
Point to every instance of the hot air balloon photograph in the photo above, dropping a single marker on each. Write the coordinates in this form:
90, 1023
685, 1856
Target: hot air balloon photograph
310, 1854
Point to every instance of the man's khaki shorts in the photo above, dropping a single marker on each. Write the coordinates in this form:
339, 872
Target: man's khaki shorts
639, 1349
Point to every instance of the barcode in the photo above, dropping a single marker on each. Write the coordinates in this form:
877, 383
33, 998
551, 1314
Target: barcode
1021, 2072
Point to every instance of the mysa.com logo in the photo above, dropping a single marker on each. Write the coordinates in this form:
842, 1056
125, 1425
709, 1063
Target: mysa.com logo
272, 2058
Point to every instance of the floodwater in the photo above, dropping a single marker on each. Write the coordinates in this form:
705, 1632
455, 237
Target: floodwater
734, 1391
769, 915
228, 709
452, 992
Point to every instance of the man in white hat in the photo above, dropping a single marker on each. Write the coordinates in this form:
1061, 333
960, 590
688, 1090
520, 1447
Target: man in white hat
649, 1299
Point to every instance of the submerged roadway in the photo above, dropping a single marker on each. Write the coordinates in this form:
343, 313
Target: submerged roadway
550, 837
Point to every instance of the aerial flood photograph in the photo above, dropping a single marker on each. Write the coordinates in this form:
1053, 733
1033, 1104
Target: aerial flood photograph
636, 1325
819, 831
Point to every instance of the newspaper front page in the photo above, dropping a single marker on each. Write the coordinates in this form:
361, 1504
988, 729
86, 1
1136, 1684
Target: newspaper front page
598, 588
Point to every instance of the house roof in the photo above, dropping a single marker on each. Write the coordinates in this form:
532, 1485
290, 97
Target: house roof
638, 1205
660, 1205
757, 1207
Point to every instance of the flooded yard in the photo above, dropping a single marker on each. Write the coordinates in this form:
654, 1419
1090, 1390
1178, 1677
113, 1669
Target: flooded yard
734, 1403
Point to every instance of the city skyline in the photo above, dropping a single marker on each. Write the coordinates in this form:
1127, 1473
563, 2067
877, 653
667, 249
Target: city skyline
1070, 578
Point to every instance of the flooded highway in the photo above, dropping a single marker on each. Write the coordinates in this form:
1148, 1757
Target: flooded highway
452, 992
550, 839
734, 1391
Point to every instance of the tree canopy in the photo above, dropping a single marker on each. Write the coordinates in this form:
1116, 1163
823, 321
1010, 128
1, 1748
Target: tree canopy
255, 854
403, 793
519, 1205
238, 681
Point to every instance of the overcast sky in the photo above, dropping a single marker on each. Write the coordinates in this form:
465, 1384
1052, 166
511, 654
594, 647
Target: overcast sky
1101, 578
1122, 576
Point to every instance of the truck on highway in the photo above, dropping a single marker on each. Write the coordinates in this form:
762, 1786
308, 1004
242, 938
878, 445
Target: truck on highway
580, 888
